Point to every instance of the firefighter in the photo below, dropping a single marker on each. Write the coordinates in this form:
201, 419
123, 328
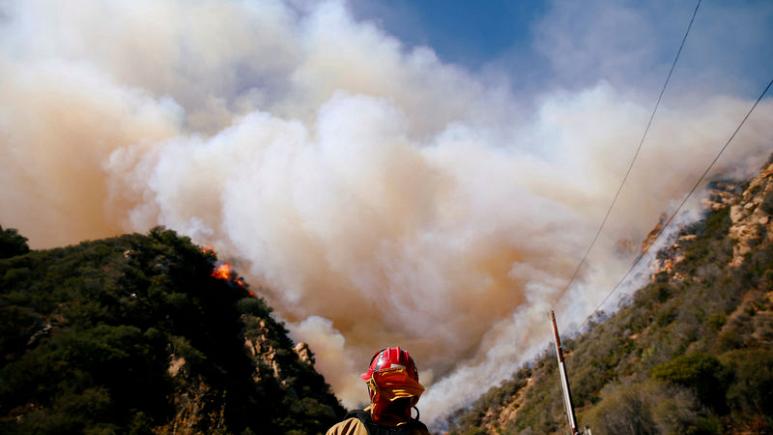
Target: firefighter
394, 389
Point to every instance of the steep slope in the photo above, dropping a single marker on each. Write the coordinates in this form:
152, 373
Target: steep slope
689, 353
134, 335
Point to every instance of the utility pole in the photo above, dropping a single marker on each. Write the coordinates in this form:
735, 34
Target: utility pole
564, 377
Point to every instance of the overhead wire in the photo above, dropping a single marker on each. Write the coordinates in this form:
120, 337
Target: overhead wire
681, 205
636, 153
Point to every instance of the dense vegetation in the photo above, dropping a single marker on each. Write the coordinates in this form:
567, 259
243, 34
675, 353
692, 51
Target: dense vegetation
689, 353
134, 335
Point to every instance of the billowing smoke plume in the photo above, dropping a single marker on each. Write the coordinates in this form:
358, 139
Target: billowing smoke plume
378, 194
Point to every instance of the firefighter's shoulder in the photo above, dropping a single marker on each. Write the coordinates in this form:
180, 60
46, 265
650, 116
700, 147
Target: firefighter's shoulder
355, 426
350, 426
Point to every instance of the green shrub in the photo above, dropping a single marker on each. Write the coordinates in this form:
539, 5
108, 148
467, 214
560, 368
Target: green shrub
701, 373
650, 408
751, 392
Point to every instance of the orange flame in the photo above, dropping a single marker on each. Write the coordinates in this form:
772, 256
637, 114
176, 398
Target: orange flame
226, 272
223, 272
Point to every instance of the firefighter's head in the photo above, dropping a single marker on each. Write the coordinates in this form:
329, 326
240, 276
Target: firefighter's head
393, 383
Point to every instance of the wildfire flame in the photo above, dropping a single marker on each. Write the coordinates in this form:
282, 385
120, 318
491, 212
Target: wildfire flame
223, 271
226, 272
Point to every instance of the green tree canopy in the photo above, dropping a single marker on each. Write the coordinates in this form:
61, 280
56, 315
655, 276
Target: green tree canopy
12, 243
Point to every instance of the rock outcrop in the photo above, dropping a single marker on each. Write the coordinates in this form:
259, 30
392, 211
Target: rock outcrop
751, 215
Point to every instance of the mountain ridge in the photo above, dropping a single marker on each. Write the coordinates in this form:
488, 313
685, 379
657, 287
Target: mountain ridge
705, 319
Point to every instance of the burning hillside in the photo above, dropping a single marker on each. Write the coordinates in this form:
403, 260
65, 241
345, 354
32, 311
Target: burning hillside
142, 334
690, 352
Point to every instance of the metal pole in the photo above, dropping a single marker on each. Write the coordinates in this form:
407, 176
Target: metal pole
564, 377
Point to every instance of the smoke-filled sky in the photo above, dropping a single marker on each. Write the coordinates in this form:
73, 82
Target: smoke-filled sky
423, 174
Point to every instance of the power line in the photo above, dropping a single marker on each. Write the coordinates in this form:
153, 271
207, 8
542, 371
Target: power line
636, 154
679, 208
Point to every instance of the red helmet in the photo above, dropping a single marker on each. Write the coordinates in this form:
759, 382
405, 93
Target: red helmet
389, 358
392, 376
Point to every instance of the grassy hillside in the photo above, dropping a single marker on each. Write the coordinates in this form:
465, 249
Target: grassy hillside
134, 335
691, 352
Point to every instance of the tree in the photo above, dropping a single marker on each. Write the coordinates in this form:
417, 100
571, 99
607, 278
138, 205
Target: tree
12, 243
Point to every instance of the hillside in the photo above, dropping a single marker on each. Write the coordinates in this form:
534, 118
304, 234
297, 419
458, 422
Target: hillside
688, 353
134, 334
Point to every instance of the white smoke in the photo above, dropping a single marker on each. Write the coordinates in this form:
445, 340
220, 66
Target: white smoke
381, 196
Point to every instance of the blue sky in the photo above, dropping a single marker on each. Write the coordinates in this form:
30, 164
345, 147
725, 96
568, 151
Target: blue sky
461, 32
569, 44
